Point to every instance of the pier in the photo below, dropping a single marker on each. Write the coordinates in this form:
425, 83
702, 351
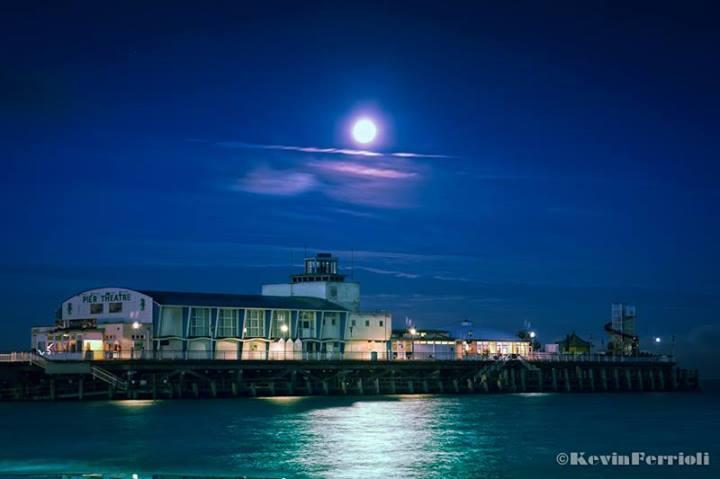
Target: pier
28, 376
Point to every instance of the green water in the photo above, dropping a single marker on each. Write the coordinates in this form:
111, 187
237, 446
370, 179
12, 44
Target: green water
498, 436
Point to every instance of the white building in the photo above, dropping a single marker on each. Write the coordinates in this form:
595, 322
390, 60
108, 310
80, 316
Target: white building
316, 315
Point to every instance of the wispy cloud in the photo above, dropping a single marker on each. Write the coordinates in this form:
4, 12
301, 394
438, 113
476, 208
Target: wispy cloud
269, 181
396, 274
358, 177
329, 151
359, 169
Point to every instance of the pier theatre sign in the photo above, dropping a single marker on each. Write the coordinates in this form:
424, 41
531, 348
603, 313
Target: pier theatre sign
106, 297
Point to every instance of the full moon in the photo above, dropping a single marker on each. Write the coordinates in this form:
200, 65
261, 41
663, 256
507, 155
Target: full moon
364, 131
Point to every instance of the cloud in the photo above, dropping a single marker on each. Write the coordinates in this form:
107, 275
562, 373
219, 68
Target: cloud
329, 151
359, 169
269, 181
369, 179
397, 274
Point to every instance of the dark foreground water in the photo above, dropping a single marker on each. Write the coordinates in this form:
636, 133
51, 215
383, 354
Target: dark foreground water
499, 436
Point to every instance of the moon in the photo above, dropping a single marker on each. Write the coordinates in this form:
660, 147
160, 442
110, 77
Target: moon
364, 131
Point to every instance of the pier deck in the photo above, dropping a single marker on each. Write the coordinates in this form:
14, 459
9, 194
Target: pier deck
39, 379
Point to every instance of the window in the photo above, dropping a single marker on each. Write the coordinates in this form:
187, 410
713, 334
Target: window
255, 323
200, 322
353, 323
115, 307
381, 323
96, 308
227, 324
280, 326
367, 323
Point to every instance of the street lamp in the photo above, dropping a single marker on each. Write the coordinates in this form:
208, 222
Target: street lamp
657, 339
532, 334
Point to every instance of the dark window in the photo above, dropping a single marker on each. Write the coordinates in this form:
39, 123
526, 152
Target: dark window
306, 324
96, 308
115, 307
381, 323
367, 323
332, 322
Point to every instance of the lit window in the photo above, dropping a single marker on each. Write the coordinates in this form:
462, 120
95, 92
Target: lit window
280, 326
200, 322
227, 324
115, 307
255, 323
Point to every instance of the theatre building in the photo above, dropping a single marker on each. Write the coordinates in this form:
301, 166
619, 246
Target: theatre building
315, 315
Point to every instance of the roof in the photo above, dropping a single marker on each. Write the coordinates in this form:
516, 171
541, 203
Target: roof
179, 298
573, 339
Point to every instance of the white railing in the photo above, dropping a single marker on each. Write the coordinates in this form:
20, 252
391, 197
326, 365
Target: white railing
178, 355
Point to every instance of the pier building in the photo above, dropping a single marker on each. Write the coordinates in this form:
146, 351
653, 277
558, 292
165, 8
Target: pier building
316, 314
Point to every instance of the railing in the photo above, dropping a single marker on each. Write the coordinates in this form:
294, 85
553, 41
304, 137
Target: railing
177, 355
108, 377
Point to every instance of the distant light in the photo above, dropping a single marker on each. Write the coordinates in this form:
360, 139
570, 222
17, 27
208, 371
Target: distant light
532, 334
657, 339
364, 130
412, 331
136, 325
284, 328
134, 476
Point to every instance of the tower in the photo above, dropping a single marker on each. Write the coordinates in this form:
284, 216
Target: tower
320, 279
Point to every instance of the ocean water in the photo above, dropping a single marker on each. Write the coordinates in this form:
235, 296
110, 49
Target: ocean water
495, 436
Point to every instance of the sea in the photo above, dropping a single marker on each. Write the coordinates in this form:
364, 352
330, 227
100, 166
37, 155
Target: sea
418, 436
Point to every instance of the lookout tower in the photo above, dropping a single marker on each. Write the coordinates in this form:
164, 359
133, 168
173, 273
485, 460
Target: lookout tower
320, 279
321, 267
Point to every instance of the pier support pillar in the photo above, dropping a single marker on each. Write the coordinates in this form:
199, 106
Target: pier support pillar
513, 384
440, 386
393, 388
523, 373
567, 379
426, 388
308, 386
52, 389
470, 385
651, 373
456, 386
154, 386
484, 382
234, 388
81, 385
616, 377
377, 386
661, 378
674, 378
579, 374
628, 380
641, 384
411, 387
540, 380
196, 390
326, 390
603, 379
360, 388
213, 389
554, 379
591, 379
253, 389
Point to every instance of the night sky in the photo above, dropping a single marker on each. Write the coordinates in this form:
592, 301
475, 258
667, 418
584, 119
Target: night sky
536, 161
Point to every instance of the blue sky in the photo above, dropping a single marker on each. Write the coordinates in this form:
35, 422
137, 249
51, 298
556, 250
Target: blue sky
536, 161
